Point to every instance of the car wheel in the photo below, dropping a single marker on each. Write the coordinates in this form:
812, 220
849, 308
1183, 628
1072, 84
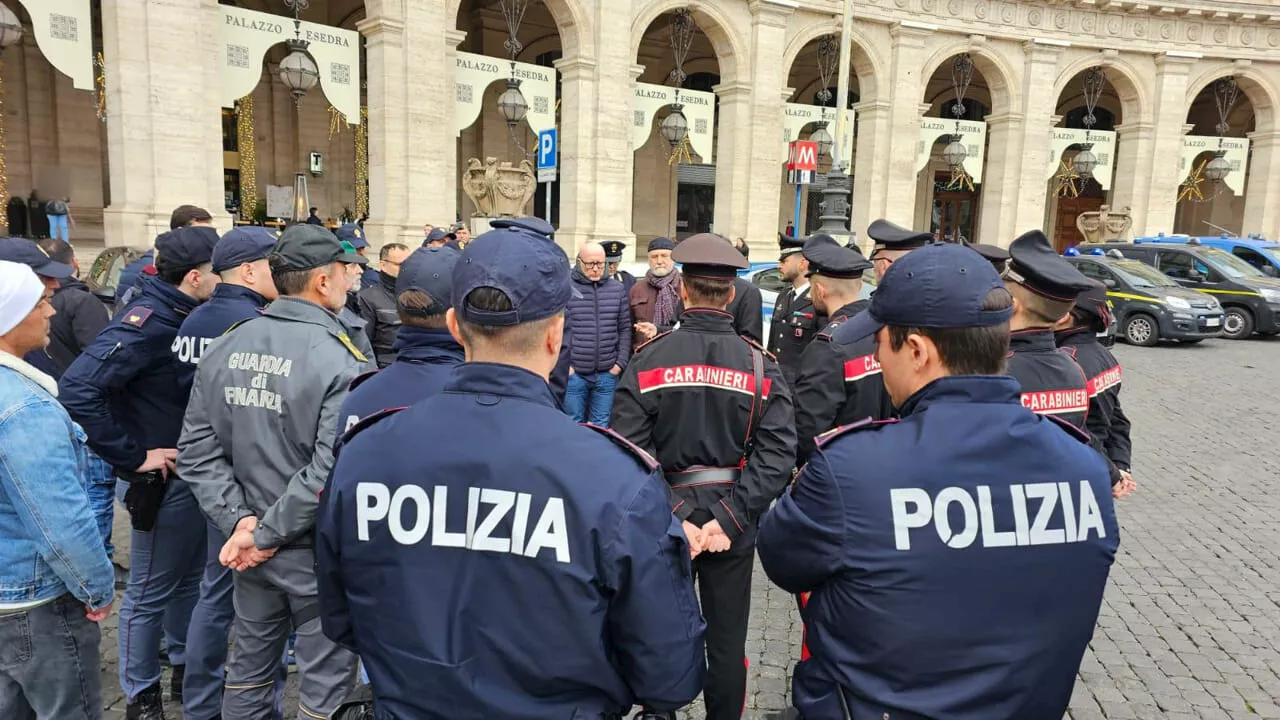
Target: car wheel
1237, 323
1141, 330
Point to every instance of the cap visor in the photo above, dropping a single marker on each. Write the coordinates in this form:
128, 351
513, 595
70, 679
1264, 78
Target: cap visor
55, 270
860, 326
353, 259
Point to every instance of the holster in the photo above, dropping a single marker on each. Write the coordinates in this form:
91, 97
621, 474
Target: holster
143, 498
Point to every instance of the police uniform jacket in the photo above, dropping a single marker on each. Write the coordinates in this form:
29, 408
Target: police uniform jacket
229, 305
424, 360
795, 322
956, 559
1052, 383
124, 388
627, 279
747, 309
79, 317
381, 314
266, 399
1106, 422
369, 277
528, 583
688, 398
837, 384
357, 330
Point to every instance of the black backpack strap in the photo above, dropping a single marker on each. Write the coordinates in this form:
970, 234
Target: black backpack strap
758, 401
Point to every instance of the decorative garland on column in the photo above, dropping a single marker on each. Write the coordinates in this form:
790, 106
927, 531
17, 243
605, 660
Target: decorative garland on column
362, 163
101, 81
248, 157
4, 171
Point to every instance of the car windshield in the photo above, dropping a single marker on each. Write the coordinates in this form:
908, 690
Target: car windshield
1141, 275
1230, 265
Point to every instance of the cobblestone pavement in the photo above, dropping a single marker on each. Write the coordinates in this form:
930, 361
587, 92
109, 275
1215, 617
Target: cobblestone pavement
1191, 624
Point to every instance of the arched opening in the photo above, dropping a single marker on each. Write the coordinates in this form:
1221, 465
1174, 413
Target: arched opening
674, 189
1214, 162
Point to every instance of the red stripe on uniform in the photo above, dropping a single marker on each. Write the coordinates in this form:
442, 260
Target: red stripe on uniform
701, 376
859, 368
1105, 380
1055, 402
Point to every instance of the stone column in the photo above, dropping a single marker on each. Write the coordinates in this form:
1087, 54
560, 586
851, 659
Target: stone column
1000, 178
763, 192
1131, 185
164, 127
1038, 103
904, 91
733, 158
1161, 166
1262, 193
869, 197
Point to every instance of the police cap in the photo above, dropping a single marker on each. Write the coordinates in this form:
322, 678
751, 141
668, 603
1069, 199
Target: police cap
186, 247
26, 252
938, 286
1034, 265
302, 247
1093, 301
242, 245
438, 234
660, 243
828, 257
531, 224
788, 245
996, 255
429, 270
889, 236
527, 267
708, 255
352, 233
613, 250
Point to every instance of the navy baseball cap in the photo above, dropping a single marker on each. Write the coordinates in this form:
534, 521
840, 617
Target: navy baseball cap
186, 247
27, 252
352, 233
429, 270
242, 245
527, 266
942, 285
438, 234
529, 222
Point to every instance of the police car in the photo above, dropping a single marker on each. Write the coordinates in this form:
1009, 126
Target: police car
1250, 299
1258, 252
1147, 305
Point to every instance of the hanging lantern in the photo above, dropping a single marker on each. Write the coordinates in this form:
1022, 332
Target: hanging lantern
10, 28
298, 71
1218, 167
823, 138
511, 103
955, 153
1085, 161
675, 126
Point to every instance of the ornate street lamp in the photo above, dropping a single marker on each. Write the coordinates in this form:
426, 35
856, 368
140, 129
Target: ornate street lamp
1095, 81
821, 136
10, 28
955, 152
675, 127
1217, 168
961, 76
298, 71
511, 104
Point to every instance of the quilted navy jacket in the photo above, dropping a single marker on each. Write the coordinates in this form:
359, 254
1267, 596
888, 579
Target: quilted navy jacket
601, 324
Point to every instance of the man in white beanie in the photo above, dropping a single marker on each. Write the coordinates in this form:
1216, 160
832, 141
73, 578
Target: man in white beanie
56, 579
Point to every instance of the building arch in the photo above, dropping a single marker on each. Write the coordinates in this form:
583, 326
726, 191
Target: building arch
1135, 106
1253, 83
571, 19
995, 68
710, 19
867, 66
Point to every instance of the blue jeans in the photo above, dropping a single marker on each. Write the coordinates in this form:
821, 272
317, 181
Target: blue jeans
101, 487
49, 658
207, 639
58, 228
165, 566
589, 399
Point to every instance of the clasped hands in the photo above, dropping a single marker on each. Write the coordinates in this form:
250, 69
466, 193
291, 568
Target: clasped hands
708, 538
239, 553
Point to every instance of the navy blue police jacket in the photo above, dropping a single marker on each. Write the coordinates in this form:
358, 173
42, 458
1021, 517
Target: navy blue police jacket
423, 364
230, 305
542, 576
955, 559
124, 388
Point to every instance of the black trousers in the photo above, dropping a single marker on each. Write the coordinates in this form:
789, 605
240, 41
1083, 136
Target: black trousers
724, 584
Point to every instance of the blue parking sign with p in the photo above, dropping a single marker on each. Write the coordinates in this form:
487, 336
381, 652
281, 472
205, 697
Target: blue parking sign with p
547, 155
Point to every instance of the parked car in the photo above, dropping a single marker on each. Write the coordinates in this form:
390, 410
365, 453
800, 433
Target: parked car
1250, 299
1148, 306
1258, 252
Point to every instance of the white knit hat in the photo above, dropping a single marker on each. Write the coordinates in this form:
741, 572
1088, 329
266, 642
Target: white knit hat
20, 292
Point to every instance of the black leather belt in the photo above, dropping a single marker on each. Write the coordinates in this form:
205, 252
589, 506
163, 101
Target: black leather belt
703, 476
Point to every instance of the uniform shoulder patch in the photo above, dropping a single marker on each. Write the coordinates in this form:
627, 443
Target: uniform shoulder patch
351, 347
365, 423
652, 340
136, 316
635, 451
1072, 430
843, 430
358, 380
759, 347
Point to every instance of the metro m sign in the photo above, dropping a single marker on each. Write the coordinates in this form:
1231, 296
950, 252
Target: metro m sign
802, 162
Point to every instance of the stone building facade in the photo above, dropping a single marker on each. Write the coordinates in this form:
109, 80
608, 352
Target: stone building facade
162, 141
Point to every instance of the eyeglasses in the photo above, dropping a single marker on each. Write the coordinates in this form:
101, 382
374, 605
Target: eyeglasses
592, 265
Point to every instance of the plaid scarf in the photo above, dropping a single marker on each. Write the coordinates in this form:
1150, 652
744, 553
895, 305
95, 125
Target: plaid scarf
664, 312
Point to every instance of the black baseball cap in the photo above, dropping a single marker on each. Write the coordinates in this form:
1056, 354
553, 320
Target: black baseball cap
526, 266
708, 255
1035, 265
242, 245
828, 257
889, 236
303, 247
429, 270
186, 247
22, 250
938, 286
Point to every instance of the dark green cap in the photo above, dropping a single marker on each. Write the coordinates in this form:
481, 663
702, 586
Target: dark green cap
303, 247
350, 256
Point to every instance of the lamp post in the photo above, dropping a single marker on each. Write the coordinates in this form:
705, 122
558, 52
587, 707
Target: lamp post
10, 28
299, 73
835, 195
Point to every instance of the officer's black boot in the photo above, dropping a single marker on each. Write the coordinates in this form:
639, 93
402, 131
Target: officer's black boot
147, 706
175, 683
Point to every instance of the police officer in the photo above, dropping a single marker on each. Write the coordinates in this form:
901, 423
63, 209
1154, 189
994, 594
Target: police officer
354, 264
426, 352
892, 243
352, 233
711, 406
795, 320
837, 384
1044, 287
1077, 334
996, 255
125, 391
256, 448
613, 250
245, 288
597, 557
931, 544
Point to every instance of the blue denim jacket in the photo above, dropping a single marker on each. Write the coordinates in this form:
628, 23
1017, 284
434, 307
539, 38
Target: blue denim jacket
49, 540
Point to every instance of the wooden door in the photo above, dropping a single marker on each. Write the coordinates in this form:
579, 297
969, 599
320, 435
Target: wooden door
1065, 232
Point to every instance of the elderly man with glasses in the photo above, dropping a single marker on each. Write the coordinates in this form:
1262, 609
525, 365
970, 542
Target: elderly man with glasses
600, 318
